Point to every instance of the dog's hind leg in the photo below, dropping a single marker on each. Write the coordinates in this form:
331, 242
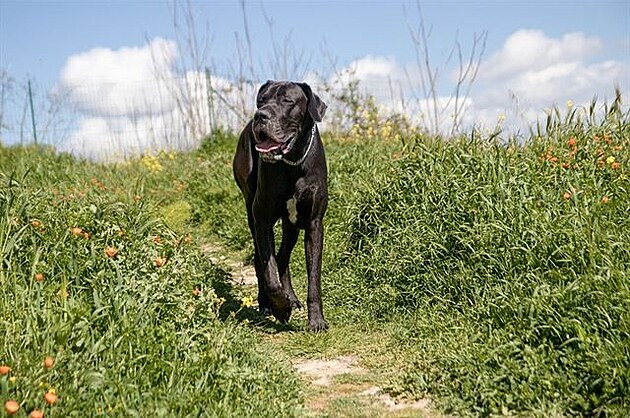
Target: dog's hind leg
290, 235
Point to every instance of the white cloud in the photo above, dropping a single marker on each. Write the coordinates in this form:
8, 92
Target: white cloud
133, 100
529, 73
532, 72
122, 82
531, 50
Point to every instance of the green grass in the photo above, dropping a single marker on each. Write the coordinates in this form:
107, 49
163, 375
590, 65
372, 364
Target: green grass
489, 276
129, 338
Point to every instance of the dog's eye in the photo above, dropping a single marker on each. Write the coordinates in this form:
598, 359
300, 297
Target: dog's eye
287, 101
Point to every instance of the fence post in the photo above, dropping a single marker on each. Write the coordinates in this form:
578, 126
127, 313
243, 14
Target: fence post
30, 98
210, 100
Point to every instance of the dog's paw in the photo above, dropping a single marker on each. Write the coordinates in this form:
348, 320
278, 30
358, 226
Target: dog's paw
317, 325
281, 307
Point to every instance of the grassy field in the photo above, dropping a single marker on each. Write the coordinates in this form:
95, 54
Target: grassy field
488, 276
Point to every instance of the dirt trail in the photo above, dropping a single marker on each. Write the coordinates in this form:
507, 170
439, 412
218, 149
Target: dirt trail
339, 386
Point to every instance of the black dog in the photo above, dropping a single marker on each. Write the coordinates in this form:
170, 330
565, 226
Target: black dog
280, 168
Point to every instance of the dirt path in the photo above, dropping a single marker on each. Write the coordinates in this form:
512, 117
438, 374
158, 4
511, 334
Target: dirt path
339, 386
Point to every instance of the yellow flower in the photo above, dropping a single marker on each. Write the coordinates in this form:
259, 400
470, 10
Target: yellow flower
247, 301
569, 104
12, 379
610, 160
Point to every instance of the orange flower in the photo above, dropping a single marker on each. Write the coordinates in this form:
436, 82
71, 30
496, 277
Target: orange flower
566, 165
572, 141
50, 398
49, 362
36, 223
111, 252
160, 261
11, 407
566, 195
39, 277
36, 413
4, 370
157, 239
615, 165
76, 231
196, 291
605, 199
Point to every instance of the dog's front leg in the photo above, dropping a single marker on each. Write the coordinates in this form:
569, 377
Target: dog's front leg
280, 305
314, 242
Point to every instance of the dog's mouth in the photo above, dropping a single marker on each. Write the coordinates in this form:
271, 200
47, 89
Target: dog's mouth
270, 149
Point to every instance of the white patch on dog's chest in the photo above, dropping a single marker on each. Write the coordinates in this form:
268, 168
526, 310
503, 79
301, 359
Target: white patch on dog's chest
292, 209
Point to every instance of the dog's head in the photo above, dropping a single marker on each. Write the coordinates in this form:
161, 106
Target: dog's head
284, 109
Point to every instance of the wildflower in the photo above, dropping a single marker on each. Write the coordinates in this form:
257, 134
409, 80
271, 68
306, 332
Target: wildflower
36, 413
501, 117
569, 104
160, 261
12, 379
39, 277
111, 252
196, 291
605, 199
36, 223
247, 301
50, 397
11, 407
610, 160
49, 362
4, 370
566, 195
572, 141
63, 293
76, 231
615, 165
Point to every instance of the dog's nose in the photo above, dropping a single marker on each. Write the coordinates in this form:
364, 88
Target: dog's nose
261, 116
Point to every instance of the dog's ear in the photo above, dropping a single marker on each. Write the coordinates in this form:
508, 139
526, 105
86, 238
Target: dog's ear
262, 91
316, 106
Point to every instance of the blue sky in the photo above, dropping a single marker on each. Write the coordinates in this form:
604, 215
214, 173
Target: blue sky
37, 37
572, 50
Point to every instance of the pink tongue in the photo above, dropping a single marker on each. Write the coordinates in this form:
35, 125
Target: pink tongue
267, 146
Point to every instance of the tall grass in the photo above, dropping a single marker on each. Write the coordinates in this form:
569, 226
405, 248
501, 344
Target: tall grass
91, 276
523, 249
499, 267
